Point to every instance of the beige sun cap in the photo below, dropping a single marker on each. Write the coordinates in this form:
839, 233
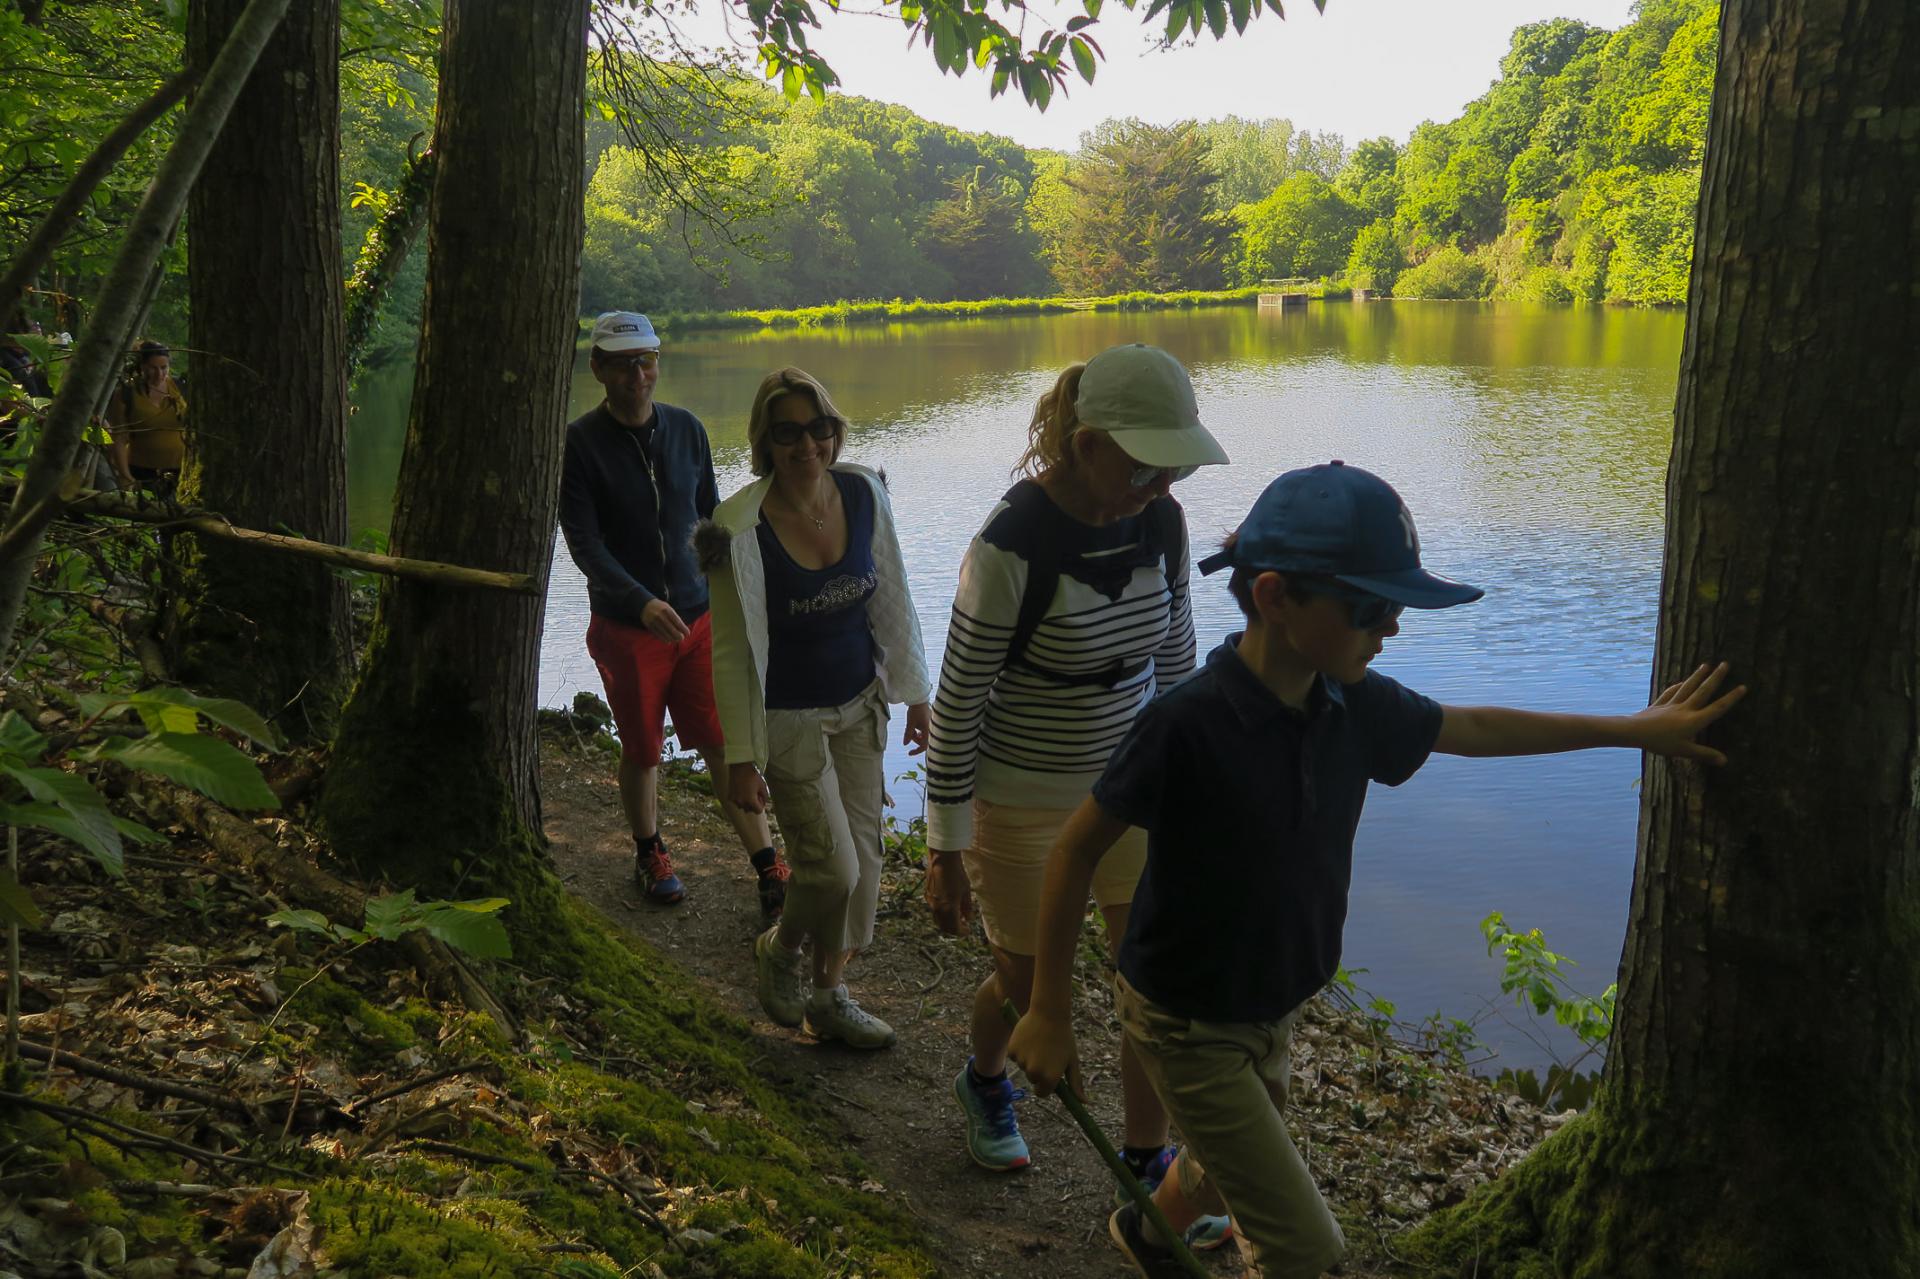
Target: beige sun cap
1141, 397
625, 331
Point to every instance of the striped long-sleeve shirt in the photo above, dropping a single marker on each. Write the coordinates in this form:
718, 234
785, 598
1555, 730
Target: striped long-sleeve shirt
1011, 734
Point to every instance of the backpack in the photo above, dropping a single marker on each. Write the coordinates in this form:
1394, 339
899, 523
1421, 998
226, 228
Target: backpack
1165, 538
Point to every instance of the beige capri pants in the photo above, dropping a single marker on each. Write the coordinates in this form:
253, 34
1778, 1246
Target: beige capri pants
1008, 863
826, 772
1225, 1085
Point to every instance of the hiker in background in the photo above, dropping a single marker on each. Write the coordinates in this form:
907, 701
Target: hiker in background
1071, 614
635, 477
147, 416
814, 635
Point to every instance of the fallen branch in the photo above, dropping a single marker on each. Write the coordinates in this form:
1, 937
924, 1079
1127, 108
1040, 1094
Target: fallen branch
131, 1079
146, 510
139, 1137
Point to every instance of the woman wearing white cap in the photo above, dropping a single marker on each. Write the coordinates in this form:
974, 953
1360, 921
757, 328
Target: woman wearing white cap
1070, 615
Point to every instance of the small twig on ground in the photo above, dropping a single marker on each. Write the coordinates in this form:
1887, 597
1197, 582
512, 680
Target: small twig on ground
388, 1094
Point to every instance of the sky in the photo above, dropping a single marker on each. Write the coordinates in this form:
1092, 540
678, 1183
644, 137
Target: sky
1362, 69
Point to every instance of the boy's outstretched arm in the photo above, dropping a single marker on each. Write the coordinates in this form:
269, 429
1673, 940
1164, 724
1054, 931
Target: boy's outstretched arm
1667, 727
1043, 1041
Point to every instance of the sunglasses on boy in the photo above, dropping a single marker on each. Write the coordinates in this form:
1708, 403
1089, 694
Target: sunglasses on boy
628, 363
1367, 610
820, 428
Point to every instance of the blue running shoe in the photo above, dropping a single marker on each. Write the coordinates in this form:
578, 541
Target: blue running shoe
993, 1133
1205, 1234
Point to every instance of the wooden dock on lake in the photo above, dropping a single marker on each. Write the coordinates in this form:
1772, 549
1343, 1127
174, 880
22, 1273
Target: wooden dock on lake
1283, 293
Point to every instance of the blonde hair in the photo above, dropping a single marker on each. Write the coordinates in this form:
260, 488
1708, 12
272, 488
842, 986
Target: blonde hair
1054, 422
774, 387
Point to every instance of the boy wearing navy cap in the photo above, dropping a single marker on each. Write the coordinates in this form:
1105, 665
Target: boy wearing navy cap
1249, 780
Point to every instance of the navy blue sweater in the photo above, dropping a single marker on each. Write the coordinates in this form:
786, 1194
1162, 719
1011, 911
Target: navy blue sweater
627, 510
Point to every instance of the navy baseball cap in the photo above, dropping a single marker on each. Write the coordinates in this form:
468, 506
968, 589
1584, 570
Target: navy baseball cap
1341, 522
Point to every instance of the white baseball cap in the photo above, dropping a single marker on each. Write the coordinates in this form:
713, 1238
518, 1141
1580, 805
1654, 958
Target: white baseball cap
1142, 398
625, 331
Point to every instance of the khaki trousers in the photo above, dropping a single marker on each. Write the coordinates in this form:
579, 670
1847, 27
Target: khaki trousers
1225, 1086
826, 772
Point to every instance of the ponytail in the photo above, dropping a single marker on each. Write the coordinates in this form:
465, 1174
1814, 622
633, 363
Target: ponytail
1054, 422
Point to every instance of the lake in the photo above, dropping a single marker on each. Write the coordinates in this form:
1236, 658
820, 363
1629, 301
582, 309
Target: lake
1531, 445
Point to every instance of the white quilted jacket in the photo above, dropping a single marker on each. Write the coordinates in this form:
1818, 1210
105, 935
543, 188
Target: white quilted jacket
729, 554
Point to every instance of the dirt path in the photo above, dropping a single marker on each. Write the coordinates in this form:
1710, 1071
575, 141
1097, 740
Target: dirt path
897, 1104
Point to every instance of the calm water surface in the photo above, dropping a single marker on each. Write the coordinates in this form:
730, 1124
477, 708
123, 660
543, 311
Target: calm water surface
1531, 445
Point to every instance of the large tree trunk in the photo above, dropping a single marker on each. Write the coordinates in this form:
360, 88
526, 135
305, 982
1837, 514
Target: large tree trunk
434, 771
269, 392
1758, 1114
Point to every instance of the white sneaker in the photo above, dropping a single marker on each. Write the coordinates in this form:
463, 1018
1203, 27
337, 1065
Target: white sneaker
782, 978
832, 1014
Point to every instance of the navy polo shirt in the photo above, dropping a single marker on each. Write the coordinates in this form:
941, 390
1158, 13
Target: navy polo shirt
1250, 808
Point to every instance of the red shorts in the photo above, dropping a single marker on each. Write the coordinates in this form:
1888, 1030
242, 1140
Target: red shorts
648, 679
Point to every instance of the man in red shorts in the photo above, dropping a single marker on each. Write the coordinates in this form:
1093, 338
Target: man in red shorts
637, 475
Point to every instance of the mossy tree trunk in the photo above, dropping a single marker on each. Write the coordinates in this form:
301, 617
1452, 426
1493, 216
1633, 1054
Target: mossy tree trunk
269, 392
1758, 1114
434, 776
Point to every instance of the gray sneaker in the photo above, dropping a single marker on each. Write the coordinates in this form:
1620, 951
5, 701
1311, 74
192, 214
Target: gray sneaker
836, 1016
782, 978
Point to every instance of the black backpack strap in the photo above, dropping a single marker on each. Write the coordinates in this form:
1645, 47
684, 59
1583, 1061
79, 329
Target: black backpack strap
1167, 534
1027, 502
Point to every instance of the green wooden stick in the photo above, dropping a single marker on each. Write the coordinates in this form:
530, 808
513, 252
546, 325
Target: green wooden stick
1128, 1182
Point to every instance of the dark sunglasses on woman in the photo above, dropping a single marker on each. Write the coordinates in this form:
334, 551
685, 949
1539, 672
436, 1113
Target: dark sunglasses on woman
820, 428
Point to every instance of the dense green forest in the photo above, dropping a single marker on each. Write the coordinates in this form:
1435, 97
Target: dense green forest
1573, 177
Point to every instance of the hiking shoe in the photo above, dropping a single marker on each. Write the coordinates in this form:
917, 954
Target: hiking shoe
834, 1015
782, 978
1151, 1260
1206, 1233
653, 872
993, 1132
773, 891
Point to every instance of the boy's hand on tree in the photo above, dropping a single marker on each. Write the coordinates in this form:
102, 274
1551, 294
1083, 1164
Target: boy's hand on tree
1043, 1047
949, 893
1685, 710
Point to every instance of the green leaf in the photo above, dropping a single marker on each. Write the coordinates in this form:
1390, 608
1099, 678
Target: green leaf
16, 903
1080, 23
475, 933
1217, 18
137, 833
51, 817
92, 825
1083, 58
478, 905
393, 916
229, 714
305, 921
18, 740
1242, 11
1093, 8
1001, 74
205, 764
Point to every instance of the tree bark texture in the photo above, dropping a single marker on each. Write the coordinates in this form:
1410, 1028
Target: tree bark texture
269, 394
435, 771
1758, 1113
97, 354
1770, 989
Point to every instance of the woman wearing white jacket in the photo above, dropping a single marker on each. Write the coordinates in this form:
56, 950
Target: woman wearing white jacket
814, 635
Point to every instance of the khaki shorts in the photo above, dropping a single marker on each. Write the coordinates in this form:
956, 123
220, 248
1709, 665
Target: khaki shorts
1008, 863
1224, 1084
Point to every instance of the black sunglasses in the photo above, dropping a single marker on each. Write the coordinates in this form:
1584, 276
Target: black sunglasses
1367, 610
820, 428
